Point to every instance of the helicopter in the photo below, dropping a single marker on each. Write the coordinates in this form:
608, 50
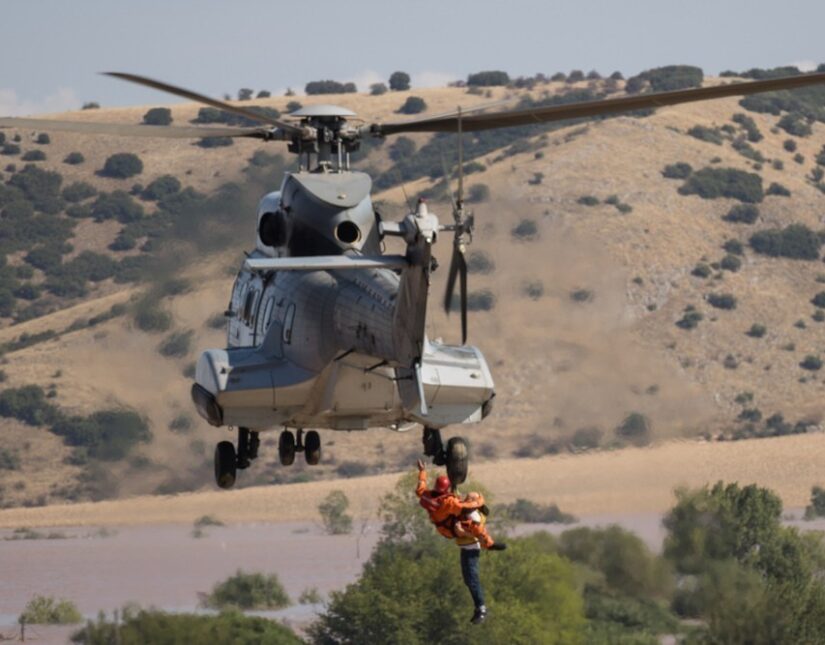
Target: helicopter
324, 329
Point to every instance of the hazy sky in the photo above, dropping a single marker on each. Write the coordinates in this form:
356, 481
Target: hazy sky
51, 50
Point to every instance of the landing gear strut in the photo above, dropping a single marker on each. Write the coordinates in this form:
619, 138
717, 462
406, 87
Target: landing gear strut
228, 460
455, 456
309, 445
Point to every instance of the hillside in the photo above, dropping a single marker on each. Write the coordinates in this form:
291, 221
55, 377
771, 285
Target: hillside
580, 328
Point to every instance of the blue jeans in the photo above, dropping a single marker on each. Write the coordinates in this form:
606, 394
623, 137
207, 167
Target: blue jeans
470, 573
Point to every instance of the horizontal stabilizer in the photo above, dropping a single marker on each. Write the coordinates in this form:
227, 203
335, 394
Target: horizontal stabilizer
325, 262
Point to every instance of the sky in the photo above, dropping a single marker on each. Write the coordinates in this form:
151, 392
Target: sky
52, 50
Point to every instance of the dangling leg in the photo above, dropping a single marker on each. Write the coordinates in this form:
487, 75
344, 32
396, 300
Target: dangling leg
470, 573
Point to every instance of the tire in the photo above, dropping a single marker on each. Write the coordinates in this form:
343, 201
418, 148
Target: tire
458, 460
225, 464
312, 448
286, 448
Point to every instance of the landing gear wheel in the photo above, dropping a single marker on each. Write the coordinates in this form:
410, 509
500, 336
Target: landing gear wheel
286, 448
458, 457
312, 448
225, 464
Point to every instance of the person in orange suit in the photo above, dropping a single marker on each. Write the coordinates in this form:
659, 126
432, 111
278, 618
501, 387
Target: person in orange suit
464, 521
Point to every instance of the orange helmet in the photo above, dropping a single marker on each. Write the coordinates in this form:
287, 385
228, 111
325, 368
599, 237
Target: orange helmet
442, 484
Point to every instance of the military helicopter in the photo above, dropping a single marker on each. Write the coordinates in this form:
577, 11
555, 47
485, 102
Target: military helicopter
325, 330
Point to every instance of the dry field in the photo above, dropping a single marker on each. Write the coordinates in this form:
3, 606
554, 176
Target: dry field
637, 480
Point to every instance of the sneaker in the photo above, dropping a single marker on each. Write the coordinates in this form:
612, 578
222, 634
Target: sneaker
479, 615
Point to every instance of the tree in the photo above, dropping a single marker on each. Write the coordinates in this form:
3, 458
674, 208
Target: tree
158, 116
45, 610
488, 78
247, 591
161, 187
377, 89
245, 94
263, 94
117, 205
122, 166
399, 81
413, 105
333, 513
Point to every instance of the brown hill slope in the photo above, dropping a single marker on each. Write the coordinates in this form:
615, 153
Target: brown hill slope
561, 363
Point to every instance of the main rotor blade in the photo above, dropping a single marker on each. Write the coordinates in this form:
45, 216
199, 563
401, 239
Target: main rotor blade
130, 130
462, 285
451, 276
547, 114
200, 98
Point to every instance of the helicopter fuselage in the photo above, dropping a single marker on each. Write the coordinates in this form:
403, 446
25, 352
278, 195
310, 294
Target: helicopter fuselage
321, 348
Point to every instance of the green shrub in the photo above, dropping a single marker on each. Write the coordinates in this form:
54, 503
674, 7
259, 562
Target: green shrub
635, 429
29, 405
117, 205
757, 330
789, 145
489, 78
585, 438
377, 89
722, 300
329, 87
672, 77
779, 190
482, 300
817, 505
158, 116
45, 610
333, 513
45, 258
177, 345
108, 435
149, 317
247, 591
10, 149
795, 241
349, 469
528, 512
9, 460
819, 300
533, 289
582, 295
525, 230
413, 105
480, 262
731, 263
215, 142
43, 139
588, 200
749, 125
161, 187
123, 242
74, 158
40, 187
690, 318
796, 124
122, 166
701, 270
742, 214
711, 183
711, 135
154, 626
34, 155
399, 81
478, 193
310, 596
734, 247
78, 191
811, 363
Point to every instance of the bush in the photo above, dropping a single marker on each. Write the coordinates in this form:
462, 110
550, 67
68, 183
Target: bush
789, 145
43, 139
734, 247
122, 166
635, 429
154, 626
525, 230
819, 300
149, 317
795, 124
413, 105
215, 142
711, 135
78, 191
749, 125
45, 258
585, 438
161, 187
329, 87
45, 610
10, 149
588, 200
811, 363
247, 591
722, 300
742, 214
480, 262
757, 330
731, 263
478, 193
711, 183
40, 187
817, 505
488, 78
108, 435
177, 345
9, 460
158, 116
377, 89
74, 158
333, 513
482, 300
29, 405
533, 289
117, 205
528, 512
779, 190
34, 155
795, 241
181, 424
399, 81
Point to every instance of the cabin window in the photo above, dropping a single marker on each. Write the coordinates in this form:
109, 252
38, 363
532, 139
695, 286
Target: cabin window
288, 320
270, 304
249, 306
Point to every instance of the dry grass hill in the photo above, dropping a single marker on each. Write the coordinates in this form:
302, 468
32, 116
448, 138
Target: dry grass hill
580, 331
